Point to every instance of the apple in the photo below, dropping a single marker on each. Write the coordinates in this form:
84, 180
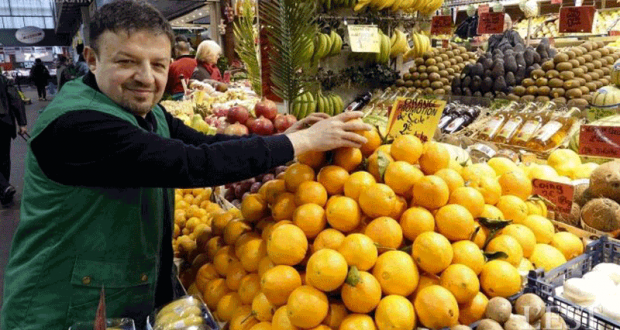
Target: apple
238, 114
266, 108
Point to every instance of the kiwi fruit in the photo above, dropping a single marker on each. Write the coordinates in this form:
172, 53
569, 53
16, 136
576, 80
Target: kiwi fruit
557, 92
443, 73
423, 76
578, 51
587, 77
584, 90
441, 66
528, 98
560, 58
610, 60
432, 68
444, 57
555, 82
417, 83
436, 84
564, 66
451, 53
453, 61
426, 83
430, 61
498, 309
571, 54
573, 83
532, 90
582, 81
580, 103
440, 91
429, 90
409, 83
579, 72
541, 81
590, 66
531, 306
513, 97
598, 83
461, 58
552, 74
537, 73
433, 76
580, 60
600, 72
591, 86
597, 64
542, 99
548, 65
606, 70
544, 90
604, 51
594, 75
605, 81
587, 46
519, 90
574, 93
575, 63
418, 61
451, 71
559, 100
527, 82
596, 54
588, 58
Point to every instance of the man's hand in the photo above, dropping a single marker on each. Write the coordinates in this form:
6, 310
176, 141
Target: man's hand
307, 122
332, 133
23, 130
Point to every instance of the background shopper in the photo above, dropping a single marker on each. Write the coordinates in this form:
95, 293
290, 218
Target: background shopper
12, 119
183, 65
40, 75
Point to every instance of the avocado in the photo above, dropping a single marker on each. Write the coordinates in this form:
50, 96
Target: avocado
510, 79
487, 73
520, 75
520, 60
510, 64
528, 55
477, 94
466, 82
487, 85
500, 84
457, 91
475, 83
487, 63
552, 52
529, 70
537, 58
541, 49
489, 95
519, 48
456, 82
498, 70
478, 70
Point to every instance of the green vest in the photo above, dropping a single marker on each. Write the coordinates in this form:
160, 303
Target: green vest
72, 240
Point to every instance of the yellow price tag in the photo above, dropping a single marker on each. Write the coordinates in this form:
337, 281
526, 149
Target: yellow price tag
415, 116
364, 38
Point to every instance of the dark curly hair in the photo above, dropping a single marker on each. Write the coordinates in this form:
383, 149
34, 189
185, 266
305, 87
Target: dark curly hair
128, 16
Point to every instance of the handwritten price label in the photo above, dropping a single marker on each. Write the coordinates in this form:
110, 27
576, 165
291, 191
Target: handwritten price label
556, 2
484, 8
441, 25
599, 141
560, 194
491, 23
364, 38
577, 19
415, 116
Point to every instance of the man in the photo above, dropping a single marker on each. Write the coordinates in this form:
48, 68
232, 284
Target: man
102, 161
184, 65
11, 110
81, 67
40, 75
66, 71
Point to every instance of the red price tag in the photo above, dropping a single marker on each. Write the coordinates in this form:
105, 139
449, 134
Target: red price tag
441, 25
444, 43
484, 8
556, 2
599, 141
577, 19
614, 33
560, 194
491, 23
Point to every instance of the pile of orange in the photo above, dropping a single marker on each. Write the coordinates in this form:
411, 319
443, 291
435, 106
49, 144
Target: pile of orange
393, 246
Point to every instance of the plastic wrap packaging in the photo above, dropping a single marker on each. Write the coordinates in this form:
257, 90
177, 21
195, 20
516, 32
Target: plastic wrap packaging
188, 313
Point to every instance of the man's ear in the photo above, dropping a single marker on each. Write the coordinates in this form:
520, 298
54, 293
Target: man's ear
90, 56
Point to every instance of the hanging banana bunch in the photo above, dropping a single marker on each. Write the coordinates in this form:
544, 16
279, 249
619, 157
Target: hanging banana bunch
333, 4
425, 7
421, 45
303, 105
330, 104
398, 43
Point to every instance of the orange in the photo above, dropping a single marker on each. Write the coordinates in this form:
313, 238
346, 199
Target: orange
253, 207
476, 171
513, 208
278, 282
377, 163
242, 319
269, 228
333, 177
500, 279
432, 252
470, 198
461, 281
264, 265
452, 178
400, 176
517, 184
310, 218
407, 148
280, 320
436, 307
326, 270
296, 174
343, 213
536, 206
473, 310
287, 245
425, 281
469, 254
213, 245
235, 273
385, 232
314, 159
434, 158
250, 286
415, 221
481, 235
307, 307
357, 322
262, 326
455, 222
361, 292
348, 158
568, 243
234, 230
205, 274
283, 207
244, 239
395, 313
262, 309
227, 305
508, 245
524, 236
356, 183
491, 212
252, 253
214, 291
311, 192
488, 187
222, 260
220, 220
377, 200
359, 250
397, 273
399, 207
336, 313
321, 327
374, 141
541, 227
546, 257
271, 189
328, 239
430, 192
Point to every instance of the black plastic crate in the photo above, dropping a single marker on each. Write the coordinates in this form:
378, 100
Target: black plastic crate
600, 251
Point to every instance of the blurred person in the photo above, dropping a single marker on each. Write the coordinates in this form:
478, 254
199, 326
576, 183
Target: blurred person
183, 65
81, 66
207, 55
66, 71
40, 75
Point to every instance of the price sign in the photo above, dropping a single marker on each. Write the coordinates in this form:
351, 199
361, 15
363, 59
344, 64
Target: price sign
599, 141
483, 8
596, 113
364, 38
577, 19
560, 194
441, 25
614, 33
556, 2
490, 23
415, 116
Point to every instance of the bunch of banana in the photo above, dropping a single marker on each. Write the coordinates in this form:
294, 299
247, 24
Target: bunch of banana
327, 45
332, 4
331, 104
398, 43
308, 49
383, 56
303, 105
421, 45
424, 6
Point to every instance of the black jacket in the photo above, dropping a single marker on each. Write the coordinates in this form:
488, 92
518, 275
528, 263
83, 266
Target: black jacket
12, 108
39, 74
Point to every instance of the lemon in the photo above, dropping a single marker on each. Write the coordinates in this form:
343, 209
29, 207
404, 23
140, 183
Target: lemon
503, 165
561, 179
564, 161
583, 171
544, 172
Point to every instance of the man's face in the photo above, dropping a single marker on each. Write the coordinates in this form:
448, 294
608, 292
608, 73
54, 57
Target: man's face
131, 69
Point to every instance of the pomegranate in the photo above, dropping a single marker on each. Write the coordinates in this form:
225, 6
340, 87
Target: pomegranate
236, 129
220, 112
268, 177
255, 187
238, 114
266, 108
250, 122
222, 127
261, 126
283, 122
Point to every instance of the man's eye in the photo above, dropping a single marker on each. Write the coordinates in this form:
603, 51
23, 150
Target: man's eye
124, 61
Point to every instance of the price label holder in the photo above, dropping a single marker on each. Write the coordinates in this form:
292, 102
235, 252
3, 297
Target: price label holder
364, 38
599, 141
441, 25
483, 8
415, 116
490, 23
576, 19
556, 2
560, 194
596, 113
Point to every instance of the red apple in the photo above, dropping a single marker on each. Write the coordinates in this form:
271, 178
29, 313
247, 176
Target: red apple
238, 114
283, 122
236, 129
261, 126
266, 108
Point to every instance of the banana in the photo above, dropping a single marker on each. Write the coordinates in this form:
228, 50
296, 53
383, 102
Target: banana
328, 44
386, 4
333, 42
320, 105
396, 5
332, 105
328, 5
304, 106
361, 4
337, 47
339, 105
295, 109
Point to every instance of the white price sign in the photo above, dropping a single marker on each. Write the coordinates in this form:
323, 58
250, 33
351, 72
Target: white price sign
364, 38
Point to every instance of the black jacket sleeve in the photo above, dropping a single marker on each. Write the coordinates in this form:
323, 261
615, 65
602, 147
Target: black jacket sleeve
16, 104
89, 148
